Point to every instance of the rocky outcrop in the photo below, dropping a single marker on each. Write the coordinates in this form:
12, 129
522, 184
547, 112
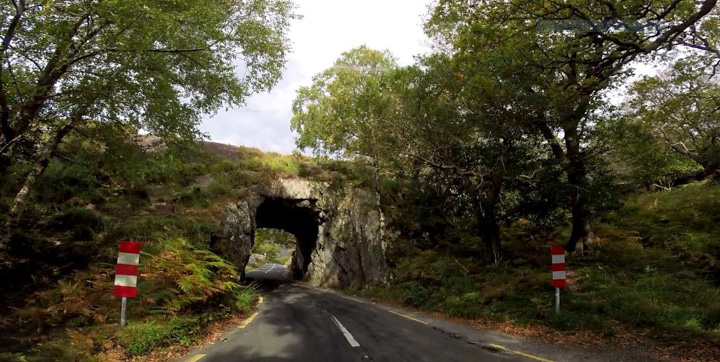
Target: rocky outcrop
238, 233
337, 230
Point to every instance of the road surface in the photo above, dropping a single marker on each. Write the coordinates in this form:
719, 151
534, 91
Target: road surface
297, 322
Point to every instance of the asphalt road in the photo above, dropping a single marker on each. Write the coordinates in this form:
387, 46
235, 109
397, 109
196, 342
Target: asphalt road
297, 322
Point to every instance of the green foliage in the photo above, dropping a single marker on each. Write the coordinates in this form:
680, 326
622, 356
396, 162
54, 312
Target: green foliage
679, 108
639, 159
169, 168
82, 222
653, 268
341, 112
77, 217
142, 338
197, 274
163, 64
195, 196
684, 221
268, 243
149, 228
61, 182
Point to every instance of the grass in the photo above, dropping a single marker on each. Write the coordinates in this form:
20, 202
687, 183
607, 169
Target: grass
170, 201
653, 269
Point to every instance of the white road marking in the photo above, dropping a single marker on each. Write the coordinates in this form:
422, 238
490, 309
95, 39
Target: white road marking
345, 332
271, 268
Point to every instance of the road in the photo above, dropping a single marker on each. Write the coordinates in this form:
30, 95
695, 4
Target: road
297, 322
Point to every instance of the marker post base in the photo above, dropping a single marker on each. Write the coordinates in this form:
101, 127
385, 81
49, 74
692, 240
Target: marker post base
557, 300
123, 311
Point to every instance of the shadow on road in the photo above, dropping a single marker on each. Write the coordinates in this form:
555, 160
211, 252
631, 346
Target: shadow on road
292, 326
268, 277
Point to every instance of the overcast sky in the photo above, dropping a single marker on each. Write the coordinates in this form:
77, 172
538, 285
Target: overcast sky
329, 27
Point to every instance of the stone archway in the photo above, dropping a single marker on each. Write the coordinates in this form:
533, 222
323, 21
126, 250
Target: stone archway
337, 231
298, 217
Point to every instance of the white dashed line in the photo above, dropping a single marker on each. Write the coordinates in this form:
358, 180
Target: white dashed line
345, 332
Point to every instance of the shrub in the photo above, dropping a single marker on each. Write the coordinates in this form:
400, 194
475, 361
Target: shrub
194, 196
143, 337
84, 223
61, 182
196, 275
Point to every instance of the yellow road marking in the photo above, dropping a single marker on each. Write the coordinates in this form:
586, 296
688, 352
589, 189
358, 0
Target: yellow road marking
252, 316
409, 317
196, 358
247, 321
521, 353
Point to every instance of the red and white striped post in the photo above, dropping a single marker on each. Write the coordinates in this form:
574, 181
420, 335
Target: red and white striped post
558, 273
126, 273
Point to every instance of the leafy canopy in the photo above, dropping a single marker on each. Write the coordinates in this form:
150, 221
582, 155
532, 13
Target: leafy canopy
342, 111
151, 64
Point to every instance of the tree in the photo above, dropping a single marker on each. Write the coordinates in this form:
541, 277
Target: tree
639, 161
458, 131
562, 56
152, 65
681, 108
344, 111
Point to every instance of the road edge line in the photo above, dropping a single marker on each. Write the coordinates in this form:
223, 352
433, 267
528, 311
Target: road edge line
409, 317
528, 355
248, 321
252, 316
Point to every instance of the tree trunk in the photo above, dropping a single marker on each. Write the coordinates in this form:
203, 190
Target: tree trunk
4, 164
490, 234
711, 170
577, 177
581, 230
488, 221
378, 204
37, 170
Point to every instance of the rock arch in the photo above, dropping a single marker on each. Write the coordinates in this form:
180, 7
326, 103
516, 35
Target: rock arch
337, 230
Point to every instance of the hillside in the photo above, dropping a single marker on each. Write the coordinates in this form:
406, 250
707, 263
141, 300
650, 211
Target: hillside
650, 281
57, 298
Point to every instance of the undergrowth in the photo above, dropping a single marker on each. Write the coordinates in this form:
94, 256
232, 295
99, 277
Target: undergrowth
168, 201
653, 268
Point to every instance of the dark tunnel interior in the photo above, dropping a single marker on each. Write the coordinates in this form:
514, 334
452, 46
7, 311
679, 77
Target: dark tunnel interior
298, 217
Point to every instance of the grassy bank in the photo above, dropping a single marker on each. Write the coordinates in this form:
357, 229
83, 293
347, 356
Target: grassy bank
172, 202
653, 271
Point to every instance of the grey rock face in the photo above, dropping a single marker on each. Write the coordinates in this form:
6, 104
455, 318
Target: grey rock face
337, 229
238, 233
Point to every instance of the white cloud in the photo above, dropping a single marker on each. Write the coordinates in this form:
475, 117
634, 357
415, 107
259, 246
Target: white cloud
329, 27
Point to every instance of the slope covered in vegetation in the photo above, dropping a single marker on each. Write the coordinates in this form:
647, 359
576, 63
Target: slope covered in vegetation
58, 299
651, 275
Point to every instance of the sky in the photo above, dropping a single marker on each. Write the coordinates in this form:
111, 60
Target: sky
328, 28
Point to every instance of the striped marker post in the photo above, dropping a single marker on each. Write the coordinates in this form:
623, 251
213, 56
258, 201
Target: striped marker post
126, 273
558, 273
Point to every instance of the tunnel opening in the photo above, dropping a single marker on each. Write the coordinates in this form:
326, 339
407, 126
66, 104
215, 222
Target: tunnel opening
300, 218
273, 246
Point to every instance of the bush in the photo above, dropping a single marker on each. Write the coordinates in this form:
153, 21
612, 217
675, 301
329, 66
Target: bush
143, 337
194, 196
169, 168
84, 223
195, 274
61, 182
